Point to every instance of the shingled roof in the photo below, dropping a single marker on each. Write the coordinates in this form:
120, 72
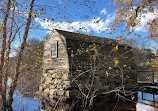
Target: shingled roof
93, 39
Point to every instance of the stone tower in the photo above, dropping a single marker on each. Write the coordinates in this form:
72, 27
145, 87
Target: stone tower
55, 80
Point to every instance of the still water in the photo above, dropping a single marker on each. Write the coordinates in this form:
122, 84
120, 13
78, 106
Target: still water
147, 101
22, 103
144, 103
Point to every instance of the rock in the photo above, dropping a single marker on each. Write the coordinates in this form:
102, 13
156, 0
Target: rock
66, 82
59, 86
46, 90
65, 77
67, 93
48, 80
55, 75
56, 81
65, 86
40, 88
51, 96
51, 92
45, 74
52, 86
60, 92
51, 71
38, 92
42, 80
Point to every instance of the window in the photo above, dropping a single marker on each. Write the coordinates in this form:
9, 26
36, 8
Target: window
54, 49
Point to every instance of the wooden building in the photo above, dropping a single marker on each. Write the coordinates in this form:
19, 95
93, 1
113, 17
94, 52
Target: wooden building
74, 61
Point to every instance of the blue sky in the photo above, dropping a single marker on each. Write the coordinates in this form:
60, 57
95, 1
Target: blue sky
70, 15
80, 16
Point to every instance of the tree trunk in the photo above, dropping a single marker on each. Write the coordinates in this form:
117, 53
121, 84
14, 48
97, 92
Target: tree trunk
4, 24
17, 72
4, 84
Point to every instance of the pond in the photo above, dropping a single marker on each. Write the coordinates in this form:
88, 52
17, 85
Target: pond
147, 101
144, 103
22, 103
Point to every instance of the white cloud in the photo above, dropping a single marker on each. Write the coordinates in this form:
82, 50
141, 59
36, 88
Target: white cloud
9, 81
16, 8
145, 18
12, 54
103, 12
22, 13
97, 25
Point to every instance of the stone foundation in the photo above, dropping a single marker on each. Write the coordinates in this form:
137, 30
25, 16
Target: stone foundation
53, 89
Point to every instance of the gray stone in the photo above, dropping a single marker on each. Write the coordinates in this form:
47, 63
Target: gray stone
46, 90
65, 77
52, 86
67, 93
66, 82
60, 92
55, 75
40, 88
52, 91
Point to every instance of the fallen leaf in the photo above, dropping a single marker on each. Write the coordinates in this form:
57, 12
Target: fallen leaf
107, 73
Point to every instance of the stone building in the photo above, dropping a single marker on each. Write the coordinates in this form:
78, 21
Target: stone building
74, 62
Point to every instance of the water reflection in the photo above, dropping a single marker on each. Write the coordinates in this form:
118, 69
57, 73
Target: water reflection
22, 103
148, 100
145, 103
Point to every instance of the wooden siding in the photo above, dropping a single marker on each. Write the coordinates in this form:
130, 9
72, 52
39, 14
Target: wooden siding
60, 62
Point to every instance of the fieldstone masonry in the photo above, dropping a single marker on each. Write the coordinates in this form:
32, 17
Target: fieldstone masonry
54, 83
54, 89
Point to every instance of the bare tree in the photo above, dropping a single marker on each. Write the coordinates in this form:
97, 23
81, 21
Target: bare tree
3, 50
4, 68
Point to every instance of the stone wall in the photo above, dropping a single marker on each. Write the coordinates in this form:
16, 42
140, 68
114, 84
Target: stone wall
54, 88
